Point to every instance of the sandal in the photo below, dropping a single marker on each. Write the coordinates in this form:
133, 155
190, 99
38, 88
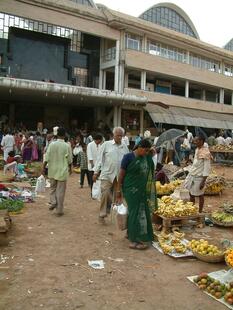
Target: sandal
141, 246
133, 245
138, 246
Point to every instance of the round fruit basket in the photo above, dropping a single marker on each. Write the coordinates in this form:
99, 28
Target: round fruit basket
209, 258
230, 224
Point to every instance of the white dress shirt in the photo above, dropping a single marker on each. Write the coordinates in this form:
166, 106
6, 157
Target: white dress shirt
92, 154
8, 142
109, 160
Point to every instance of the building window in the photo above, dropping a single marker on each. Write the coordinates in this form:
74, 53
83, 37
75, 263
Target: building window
166, 51
81, 76
7, 21
204, 63
228, 70
168, 18
133, 42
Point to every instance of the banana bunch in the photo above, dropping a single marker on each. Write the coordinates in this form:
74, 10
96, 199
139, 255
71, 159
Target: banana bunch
214, 184
166, 248
172, 242
168, 188
180, 248
214, 188
222, 217
171, 208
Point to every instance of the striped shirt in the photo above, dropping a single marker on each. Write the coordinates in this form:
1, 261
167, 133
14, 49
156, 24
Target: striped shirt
82, 160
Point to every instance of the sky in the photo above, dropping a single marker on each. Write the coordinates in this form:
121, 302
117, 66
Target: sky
213, 19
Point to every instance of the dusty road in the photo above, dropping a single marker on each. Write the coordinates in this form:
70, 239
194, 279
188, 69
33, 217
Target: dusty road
47, 263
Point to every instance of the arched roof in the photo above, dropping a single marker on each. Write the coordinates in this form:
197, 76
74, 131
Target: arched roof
85, 2
170, 16
229, 45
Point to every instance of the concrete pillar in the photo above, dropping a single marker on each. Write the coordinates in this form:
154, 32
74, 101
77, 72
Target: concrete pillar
143, 80
104, 80
101, 79
222, 67
102, 43
187, 89
232, 98
142, 121
115, 116
121, 78
116, 79
144, 44
126, 79
119, 116
187, 57
11, 114
204, 94
221, 95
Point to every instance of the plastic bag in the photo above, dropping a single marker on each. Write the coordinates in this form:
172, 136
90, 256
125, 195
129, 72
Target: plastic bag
40, 184
96, 190
120, 214
180, 194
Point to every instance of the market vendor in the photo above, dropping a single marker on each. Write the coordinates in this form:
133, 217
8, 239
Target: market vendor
160, 175
200, 170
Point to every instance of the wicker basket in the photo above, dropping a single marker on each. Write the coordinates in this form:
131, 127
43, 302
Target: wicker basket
209, 258
221, 223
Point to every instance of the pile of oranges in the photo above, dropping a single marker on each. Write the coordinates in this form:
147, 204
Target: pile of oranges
229, 257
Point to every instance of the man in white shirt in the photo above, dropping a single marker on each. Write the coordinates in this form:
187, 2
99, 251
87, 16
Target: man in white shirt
125, 140
7, 143
200, 170
107, 168
92, 155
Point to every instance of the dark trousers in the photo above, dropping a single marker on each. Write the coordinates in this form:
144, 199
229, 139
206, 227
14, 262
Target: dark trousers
90, 174
82, 175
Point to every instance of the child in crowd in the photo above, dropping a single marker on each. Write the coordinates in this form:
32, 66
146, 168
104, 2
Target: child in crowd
82, 163
20, 168
11, 157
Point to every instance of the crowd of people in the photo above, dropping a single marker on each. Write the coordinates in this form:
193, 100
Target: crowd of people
126, 174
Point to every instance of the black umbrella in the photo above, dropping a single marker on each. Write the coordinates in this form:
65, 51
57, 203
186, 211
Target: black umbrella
169, 135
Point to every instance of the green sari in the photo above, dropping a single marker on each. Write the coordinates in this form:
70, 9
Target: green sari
139, 193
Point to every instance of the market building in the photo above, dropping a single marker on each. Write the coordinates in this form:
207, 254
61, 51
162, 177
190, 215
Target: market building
77, 63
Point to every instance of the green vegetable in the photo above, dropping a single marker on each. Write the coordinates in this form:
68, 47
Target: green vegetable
11, 205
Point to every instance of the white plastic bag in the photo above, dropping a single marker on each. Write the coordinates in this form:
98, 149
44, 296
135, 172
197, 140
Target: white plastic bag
96, 190
120, 213
40, 184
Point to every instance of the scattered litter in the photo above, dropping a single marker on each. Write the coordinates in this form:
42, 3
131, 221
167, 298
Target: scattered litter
96, 264
51, 233
29, 292
90, 281
31, 260
3, 258
118, 260
29, 228
81, 291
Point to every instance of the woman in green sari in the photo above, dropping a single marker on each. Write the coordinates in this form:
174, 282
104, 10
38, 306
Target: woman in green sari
136, 186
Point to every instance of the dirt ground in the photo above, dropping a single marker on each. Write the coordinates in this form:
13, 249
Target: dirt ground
46, 262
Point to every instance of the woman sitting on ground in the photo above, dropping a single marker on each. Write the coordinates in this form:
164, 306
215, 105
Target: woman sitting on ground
136, 186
